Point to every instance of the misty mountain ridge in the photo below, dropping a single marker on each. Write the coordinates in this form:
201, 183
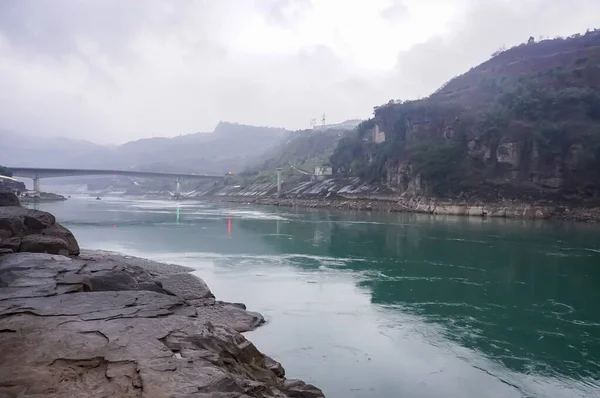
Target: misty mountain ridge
228, 148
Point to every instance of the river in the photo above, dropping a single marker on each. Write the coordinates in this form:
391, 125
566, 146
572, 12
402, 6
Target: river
384, 305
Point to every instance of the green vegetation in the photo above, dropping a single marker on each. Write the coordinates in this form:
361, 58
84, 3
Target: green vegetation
529, 115
304, 149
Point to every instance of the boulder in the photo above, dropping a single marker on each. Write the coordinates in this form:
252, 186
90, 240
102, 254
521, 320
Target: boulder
36, 220
44, 244
9, 199
186, 286
300, 389
13, 243
58, 231
35, 231
10, 223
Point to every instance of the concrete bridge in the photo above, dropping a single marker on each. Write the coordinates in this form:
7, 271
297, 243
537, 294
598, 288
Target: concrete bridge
36, 173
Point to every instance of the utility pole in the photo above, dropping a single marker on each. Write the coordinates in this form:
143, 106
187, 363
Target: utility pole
278, 181
177, 188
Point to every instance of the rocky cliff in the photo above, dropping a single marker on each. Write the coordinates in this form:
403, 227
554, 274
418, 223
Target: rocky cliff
102, 324
524, 126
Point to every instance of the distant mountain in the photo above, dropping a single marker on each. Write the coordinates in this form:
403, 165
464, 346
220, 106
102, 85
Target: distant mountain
229, 147
28, 151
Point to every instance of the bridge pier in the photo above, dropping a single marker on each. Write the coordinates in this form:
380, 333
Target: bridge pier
36, 184
278, 181
177, 188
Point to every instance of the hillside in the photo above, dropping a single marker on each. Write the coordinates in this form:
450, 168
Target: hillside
304, 149
523, 125
230, 146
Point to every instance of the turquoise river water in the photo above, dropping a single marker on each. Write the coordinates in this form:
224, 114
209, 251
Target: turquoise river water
384, 305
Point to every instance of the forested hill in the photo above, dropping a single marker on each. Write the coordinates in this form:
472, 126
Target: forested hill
525, 124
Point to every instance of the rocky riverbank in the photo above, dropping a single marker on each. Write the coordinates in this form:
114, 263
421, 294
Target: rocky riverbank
352, 193
41, 197
97, 324
507, 209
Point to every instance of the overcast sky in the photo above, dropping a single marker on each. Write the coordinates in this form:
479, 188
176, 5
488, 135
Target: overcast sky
115, 70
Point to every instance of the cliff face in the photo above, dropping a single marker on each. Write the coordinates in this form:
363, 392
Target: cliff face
525, 125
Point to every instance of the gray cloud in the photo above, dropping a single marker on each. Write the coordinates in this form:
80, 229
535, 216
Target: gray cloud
486, 27
396, 11
285, 12
117, 70
55, 27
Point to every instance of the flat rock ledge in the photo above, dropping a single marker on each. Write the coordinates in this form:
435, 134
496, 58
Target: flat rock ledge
108, 325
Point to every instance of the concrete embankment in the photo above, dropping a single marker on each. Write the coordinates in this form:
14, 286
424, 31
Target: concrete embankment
101, 324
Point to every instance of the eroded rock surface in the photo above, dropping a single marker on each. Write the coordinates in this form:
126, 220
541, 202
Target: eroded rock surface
103, 324
26, 230
8, 199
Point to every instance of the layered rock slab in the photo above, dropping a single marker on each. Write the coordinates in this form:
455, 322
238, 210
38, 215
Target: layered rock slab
104, 324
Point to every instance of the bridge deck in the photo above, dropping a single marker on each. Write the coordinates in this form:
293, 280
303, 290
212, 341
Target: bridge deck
40, 172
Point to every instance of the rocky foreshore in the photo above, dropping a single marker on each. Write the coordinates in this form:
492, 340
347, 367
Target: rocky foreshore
505, 209
42, 197
96, 324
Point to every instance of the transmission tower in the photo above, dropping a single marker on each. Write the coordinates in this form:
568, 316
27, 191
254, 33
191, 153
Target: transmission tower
324, 121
